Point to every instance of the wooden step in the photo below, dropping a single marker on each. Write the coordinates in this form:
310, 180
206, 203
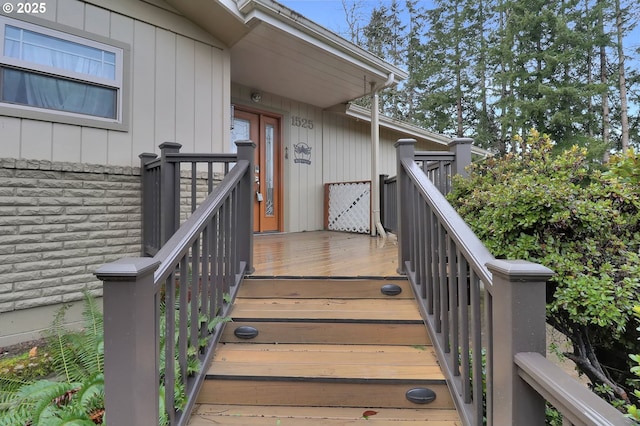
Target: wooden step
322, 375
207, 414
326, 352
343, 310
324, 289
351, 333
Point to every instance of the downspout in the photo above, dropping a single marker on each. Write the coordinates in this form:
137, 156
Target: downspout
375, 153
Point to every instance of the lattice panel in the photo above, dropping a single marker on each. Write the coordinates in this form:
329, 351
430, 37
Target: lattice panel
349, 205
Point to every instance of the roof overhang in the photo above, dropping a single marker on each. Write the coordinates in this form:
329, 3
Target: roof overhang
276, 50
408, 130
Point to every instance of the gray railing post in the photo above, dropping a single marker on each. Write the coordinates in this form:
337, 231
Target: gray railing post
405, 148
131, 345
518, 326
146, 201
170, 192
246, 151
383, 199
461, 147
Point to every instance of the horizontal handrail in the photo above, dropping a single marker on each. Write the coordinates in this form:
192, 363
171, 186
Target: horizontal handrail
190, 157
573, 399
434, 156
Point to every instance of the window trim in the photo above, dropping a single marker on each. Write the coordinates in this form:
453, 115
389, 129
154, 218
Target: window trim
120, 83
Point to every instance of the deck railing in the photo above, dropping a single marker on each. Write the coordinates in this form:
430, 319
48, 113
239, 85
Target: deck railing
172, 182
165, 313
486, 316
439, 166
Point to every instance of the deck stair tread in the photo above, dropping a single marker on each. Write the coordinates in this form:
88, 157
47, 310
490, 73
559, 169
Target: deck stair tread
325, 351
326, 361
323, 309
207, 414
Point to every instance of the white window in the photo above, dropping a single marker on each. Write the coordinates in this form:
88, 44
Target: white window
46, 70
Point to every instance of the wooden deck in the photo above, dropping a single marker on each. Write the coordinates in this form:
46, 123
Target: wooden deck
324, 254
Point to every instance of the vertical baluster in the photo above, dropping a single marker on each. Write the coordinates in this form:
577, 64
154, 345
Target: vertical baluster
209, 177
170, 347
227, 246
421, 237
215, 235
443, 274
233, 201
194, 186
476, 347
220, 291
196, 280
465, 336
430, 255
205, 284
455, 287
183, 293
437, 279
413, 247
488, 330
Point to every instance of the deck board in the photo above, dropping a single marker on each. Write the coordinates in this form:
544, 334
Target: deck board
331, 309
325, 254
312, 416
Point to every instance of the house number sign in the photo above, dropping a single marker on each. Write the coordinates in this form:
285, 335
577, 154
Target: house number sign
298, 121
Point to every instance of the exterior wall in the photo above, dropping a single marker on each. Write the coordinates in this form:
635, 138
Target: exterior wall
303, 191
58, 223
70, 194
179, 79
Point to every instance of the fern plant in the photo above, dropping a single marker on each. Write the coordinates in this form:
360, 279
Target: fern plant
76, 395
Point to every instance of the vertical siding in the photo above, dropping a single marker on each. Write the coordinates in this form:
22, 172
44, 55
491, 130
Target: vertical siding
120, 144
302, 183
348, 145
185, 91
165, 87
179, 91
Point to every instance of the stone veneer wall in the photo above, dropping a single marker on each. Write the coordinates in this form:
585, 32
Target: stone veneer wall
58, 223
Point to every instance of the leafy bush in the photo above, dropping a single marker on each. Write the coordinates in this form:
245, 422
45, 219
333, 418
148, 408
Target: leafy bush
564, 213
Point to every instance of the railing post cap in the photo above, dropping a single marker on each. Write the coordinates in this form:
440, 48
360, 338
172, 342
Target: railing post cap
401, 142
461, 141
148, 155
170, 145
127, 268
245, 143
520, 270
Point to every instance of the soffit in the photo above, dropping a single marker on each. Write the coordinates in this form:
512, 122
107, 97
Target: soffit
275, 50
271, 60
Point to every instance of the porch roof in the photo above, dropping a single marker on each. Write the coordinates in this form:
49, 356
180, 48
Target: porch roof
274, 49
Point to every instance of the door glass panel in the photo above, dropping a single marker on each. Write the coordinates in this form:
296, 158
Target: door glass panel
269, 172
240, 132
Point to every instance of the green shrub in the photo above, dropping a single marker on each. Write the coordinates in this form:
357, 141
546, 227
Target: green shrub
562, 212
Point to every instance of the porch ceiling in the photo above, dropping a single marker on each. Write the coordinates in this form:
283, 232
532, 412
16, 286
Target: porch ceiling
269, 59
276, 50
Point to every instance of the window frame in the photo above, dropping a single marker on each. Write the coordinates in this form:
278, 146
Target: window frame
51, 29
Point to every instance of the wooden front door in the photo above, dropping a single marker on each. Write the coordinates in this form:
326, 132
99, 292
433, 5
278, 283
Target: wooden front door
264, 130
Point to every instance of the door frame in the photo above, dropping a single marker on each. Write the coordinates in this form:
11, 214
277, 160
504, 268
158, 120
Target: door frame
278, 153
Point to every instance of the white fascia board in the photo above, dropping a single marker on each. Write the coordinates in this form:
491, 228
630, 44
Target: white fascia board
409, 129
293, 23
